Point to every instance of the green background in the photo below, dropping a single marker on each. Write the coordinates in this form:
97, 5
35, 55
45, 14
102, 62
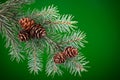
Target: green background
100, 20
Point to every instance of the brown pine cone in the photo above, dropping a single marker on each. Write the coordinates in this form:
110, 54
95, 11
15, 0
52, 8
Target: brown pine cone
37, 31
23, 35
59, 58
70, 52
26, 23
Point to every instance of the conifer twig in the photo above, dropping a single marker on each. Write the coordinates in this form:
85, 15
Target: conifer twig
77, 65
59, 31
8, 26
34, 59
76, 39
63, 23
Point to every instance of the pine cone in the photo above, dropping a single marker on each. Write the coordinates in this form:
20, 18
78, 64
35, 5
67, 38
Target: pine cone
26, 23
70, 52
37, 31
24, 35
59, 58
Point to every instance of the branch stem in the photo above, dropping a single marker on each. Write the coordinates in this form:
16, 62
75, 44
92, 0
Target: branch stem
34, 55
69, 41
58, 22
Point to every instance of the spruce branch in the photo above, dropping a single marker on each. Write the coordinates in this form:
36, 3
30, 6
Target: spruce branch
34, 58
49, 12
11, 41
76, 39
15, 54
46, 14
8, 26
34, 63
63, 23
77, 65
58, 33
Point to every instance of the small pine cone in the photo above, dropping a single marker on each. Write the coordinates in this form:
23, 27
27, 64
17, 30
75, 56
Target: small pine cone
70, 52
24, 35
37, 31
26, 23
59, 58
